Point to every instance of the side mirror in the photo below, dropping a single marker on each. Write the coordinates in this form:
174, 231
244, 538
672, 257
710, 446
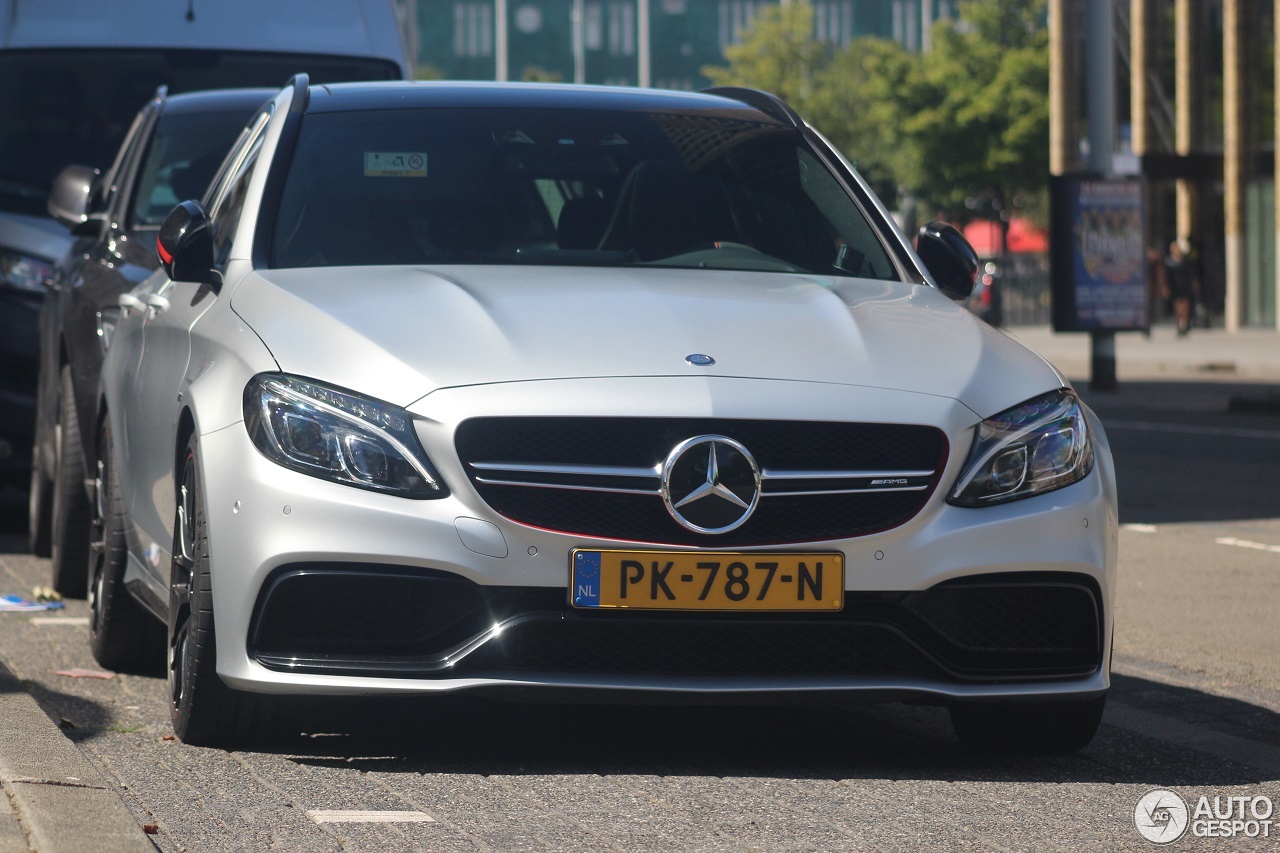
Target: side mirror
69, 197
949, 258
185, 245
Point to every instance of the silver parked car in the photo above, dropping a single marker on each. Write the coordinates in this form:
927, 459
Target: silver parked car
488, 387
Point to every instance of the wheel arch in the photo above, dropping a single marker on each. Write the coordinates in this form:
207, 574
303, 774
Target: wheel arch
186, 427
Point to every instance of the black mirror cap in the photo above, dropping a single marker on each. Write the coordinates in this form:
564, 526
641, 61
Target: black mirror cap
949, 258
185, 244
69, 195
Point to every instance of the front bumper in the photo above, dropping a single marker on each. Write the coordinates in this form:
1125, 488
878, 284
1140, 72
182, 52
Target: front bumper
320, 588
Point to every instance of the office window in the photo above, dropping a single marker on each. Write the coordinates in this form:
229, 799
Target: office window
473, 29
736, 16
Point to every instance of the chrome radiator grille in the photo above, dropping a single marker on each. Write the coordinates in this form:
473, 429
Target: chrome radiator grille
604, 477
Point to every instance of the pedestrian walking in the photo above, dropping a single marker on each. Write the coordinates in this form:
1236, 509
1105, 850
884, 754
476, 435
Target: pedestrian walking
1181, 282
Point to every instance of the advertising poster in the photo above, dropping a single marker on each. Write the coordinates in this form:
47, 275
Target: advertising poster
1097, 255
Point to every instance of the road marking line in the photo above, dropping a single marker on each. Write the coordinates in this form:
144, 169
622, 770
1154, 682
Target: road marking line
1251, 753
1245, 543
1152, 426
338, 816
1139, 528
60, 620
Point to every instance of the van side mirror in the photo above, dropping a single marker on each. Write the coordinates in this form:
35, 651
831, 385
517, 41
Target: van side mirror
949, 258
185, 244
69, 199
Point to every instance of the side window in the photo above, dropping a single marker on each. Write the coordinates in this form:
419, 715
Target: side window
233, 185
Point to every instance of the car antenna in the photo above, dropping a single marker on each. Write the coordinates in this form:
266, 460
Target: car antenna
191, 10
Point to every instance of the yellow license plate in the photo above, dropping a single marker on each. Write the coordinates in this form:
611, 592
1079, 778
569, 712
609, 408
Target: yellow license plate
706, 580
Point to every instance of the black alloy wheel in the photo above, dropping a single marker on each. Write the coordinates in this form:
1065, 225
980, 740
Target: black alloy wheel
122, 635
71, 513
204, 711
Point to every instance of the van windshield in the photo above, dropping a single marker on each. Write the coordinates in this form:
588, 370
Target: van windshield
59, 107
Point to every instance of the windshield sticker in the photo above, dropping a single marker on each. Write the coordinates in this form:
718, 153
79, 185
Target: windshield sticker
395, 164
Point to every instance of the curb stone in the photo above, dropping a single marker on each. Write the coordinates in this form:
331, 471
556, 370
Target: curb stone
55, 795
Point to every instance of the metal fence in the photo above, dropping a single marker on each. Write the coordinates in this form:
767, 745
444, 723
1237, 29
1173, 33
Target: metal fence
1024, 288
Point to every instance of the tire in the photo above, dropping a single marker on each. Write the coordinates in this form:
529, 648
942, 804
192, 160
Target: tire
39, 508
1051, 728
204, 711
71, 515
122, 635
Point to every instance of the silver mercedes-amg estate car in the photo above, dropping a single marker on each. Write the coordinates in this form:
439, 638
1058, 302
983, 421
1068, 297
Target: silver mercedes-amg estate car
596, 393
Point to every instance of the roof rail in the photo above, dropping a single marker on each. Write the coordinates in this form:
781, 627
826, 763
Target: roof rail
301, 84
770, 105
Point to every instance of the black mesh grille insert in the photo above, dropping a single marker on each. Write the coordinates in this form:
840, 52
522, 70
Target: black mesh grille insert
712, 648
1008, 618
646, 442
324, 607
385, 620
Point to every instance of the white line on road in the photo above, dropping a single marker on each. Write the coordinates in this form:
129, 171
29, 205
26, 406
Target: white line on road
60, 620
1139, 528
1189, 429
1245, 543
337, 816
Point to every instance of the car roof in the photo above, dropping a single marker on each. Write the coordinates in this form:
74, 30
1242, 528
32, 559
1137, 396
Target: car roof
217, 100
341, 97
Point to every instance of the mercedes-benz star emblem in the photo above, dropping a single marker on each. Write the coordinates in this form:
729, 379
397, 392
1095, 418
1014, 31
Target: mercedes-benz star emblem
710, 484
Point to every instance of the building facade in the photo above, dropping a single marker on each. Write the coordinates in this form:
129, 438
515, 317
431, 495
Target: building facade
662, 43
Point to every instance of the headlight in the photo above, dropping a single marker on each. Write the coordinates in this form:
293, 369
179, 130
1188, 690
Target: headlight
1036, 447
23, 272
335, 435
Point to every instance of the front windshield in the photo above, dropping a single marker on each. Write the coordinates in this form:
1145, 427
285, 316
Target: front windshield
698, 189
59, 107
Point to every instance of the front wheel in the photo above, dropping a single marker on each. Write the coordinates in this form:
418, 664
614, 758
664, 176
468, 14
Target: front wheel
204, 711
1046, 728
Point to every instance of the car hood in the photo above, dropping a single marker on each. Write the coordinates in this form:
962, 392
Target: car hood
34, 235
399, 333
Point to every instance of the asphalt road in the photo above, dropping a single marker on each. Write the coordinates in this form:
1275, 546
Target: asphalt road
1195, 709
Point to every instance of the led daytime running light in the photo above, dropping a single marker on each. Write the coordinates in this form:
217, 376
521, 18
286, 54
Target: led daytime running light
285, 388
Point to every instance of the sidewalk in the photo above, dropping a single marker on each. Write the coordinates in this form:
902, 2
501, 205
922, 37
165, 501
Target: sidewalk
1209, 371
1250, 355
56, 800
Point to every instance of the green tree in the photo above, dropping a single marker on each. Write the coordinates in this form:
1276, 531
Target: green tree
977, 117
777, 54
964, 128
858, 105
538, 74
